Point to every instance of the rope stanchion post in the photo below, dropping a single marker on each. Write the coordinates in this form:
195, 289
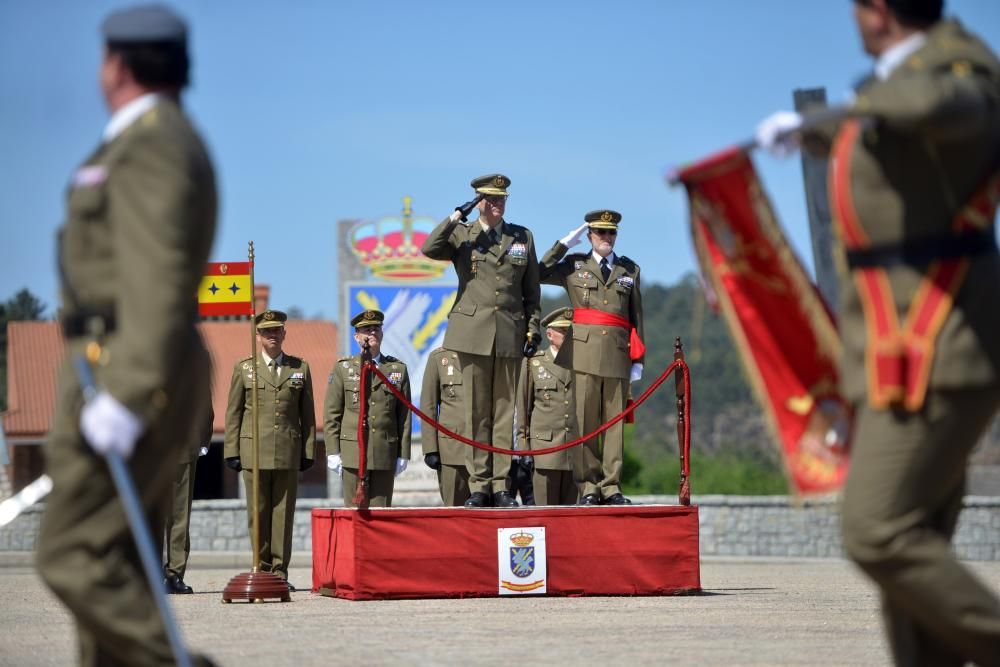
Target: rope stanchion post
361, 490
683, 400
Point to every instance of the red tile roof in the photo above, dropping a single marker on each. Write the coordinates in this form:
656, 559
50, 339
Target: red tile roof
34, 350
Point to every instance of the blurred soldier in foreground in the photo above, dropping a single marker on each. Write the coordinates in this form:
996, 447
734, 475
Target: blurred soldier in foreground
546, 413
493, 324
287, 430
388, 448
606, 351
913, 188
140, 221
442, 396
178, 516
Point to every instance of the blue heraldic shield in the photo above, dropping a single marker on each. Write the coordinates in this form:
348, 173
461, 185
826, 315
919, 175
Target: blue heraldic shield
522, 561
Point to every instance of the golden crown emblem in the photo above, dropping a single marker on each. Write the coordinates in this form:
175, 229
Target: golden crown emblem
498, 181
522, 539
390, 247
268, 315
606, 216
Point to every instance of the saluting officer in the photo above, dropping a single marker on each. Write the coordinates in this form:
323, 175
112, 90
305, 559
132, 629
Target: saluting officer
606, 351
493, 324
546, 413
178, 519
140, 220
442, 396
286, 428
388, 450
913, 191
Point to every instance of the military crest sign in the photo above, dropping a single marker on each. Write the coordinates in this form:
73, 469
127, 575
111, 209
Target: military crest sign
521, 561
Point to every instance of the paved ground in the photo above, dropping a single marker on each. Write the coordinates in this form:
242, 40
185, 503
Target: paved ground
753, 612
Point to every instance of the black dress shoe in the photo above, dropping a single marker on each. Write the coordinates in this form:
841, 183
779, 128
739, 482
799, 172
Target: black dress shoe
590, 499
477, 499
617, 499
503, 499
176, 585
290, 587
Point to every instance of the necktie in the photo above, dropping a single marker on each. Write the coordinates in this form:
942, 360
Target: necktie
493, 237
605, 269
275, 371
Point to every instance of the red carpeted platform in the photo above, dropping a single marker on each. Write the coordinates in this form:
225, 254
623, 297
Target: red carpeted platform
453, 552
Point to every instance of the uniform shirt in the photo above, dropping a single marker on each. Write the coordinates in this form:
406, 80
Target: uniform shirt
499, 296
286, 419
597, 349
442, 396
550, 417
930, 140
389, 420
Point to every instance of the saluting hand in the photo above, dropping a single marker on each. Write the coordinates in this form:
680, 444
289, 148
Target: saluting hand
574, 237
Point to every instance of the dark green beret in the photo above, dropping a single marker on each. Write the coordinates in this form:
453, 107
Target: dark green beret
144, 23
367, 318
491, 184
270, 319
603, 219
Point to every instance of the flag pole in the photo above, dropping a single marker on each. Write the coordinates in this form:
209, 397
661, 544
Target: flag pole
255, 440
255, 586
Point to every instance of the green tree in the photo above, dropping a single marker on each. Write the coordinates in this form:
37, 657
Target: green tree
22, 306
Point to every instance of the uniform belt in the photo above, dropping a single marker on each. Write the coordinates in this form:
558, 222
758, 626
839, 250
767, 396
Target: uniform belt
88, 322
923, 251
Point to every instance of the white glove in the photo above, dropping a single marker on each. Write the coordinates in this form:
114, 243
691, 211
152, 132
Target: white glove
573, 238
400, 466
203, 451
109, 426
455, 216
635, 373
334, 463
778, 133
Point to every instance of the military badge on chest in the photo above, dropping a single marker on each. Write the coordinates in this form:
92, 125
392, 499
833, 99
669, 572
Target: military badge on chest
625, 281
396, 378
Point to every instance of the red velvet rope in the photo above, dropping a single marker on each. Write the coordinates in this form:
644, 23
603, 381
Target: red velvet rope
686, 445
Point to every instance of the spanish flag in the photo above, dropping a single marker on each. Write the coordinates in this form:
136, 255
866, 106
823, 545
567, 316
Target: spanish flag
226, 289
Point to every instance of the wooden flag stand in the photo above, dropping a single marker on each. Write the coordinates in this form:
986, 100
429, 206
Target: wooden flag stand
255, 585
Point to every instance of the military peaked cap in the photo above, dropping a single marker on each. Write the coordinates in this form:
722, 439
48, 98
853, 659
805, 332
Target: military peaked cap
491, 184
603, 219
367, 318
270, 319
560, 318
144, 23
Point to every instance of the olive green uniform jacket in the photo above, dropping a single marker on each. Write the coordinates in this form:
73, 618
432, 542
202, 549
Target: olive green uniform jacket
388, 418
442, 397
499, 294
933, 141
597, 350
141, 217
545, 404
285, 415
929, 138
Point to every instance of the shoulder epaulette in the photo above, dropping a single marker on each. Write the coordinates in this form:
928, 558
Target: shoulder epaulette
344, 359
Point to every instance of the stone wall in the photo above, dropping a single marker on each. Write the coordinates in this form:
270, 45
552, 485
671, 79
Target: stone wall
730, 526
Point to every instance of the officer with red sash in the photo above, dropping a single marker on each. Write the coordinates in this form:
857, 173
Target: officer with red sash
914, 184
606, 351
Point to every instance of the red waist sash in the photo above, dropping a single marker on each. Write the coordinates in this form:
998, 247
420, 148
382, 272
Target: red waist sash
600, 318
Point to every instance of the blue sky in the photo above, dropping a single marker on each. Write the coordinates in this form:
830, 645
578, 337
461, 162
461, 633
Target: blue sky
318, 111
